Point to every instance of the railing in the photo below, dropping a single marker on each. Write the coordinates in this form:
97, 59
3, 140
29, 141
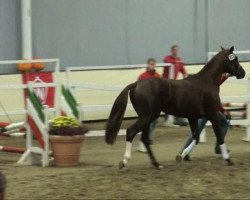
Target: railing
24, 86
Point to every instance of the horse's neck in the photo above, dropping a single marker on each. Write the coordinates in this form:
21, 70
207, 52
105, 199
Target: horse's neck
214, 70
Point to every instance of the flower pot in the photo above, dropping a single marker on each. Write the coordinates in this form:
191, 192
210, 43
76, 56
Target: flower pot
66, 149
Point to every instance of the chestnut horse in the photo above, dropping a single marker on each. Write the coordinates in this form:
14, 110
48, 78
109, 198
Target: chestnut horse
194, 97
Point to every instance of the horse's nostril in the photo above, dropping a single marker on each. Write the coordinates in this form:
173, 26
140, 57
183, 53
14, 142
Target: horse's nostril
241, 74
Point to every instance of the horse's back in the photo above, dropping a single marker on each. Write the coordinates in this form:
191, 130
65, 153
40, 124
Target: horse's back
146, 93
151, 87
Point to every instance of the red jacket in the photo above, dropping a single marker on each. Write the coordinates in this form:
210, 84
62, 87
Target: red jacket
223, 78
178, 66
148, 74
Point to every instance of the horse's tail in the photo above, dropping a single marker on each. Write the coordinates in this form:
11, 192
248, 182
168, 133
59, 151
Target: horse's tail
116, 115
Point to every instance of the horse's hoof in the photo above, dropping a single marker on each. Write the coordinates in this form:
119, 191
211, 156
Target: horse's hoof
159, 167
229, 162
121, 165
178, 158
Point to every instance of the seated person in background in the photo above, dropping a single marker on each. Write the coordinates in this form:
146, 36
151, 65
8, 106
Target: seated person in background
179, 67
202, 122
149, 73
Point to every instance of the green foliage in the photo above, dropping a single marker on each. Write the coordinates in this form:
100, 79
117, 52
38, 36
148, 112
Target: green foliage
67, 126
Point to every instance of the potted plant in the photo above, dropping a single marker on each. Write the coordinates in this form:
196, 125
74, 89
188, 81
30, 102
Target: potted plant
66, 138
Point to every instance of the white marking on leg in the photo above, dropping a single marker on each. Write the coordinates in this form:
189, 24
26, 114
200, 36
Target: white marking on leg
187, 150
127, 154
224, 152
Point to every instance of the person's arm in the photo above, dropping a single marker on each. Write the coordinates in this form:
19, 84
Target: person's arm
157, 75
183, 70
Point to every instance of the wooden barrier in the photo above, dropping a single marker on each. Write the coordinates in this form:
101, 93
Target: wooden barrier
7, 130
37, 126
69, 105
12, 149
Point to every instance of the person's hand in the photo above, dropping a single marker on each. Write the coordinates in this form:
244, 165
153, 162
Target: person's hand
180, 61
226, 75
228, 116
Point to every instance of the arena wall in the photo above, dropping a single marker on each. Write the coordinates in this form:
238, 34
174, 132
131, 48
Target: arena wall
112, 32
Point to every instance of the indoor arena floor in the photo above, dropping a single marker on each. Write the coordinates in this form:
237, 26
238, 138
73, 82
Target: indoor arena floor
98, 177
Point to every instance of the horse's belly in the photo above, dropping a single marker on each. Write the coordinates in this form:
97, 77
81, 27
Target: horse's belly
185, 113
185, 107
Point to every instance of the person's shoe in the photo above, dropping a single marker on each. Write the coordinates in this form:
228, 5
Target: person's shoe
181, 123
218, 151
142, 148
187, 158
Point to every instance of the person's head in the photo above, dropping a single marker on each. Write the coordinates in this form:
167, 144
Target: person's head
175, 50
151, 64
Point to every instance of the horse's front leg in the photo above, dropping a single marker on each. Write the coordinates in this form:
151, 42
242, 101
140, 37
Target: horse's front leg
216, 123
193, 122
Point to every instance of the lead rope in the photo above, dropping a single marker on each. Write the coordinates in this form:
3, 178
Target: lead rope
228, 117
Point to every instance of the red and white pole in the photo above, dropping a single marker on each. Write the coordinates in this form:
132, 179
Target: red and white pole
12, 149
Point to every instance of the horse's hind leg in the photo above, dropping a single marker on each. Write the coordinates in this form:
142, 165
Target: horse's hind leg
131, 133
146, 141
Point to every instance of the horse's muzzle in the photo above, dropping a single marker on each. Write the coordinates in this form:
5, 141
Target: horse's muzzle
240, 73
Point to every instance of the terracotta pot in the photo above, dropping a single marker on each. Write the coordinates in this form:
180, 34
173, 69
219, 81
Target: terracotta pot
66, 149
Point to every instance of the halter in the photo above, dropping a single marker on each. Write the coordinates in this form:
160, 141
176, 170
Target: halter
235, 70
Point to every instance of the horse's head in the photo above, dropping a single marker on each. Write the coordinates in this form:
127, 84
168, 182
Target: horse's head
232, 65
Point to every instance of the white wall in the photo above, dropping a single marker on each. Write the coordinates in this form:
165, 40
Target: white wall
11, 99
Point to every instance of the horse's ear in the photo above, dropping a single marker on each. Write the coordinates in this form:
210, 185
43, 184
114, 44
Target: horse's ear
222, 48
231, 49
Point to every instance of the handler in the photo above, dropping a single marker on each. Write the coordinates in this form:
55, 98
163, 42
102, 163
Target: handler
179, 67
149, 73
202, 122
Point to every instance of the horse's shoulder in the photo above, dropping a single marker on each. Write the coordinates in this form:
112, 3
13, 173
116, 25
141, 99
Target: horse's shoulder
211, 96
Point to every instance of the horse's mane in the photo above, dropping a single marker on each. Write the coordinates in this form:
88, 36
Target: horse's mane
211, 62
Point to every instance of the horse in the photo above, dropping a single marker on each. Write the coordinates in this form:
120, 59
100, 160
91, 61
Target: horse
194, 97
